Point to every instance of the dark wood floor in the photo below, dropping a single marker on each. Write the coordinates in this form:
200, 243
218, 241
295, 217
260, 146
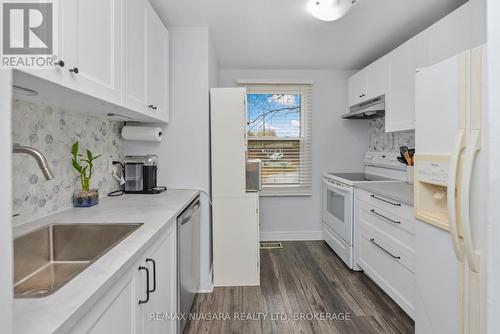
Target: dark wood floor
302, 277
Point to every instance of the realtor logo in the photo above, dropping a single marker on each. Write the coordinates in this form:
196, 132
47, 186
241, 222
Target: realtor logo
27, 34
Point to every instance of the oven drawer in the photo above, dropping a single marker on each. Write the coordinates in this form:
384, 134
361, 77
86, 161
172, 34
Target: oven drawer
394, 226
386, 203
339, 246
388, 266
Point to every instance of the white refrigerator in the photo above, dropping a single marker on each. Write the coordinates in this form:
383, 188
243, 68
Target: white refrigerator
451, 176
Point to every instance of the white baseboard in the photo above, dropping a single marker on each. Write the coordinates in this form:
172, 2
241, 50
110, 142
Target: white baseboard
291, 236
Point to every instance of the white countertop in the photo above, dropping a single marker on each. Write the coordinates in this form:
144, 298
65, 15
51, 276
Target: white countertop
398, 191
58, 312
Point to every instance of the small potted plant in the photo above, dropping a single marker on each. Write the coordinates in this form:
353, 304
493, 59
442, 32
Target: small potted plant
84, 197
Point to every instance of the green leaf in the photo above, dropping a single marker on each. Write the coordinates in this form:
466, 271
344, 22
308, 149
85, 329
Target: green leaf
74, 148
89, 155
76, 166
96, 157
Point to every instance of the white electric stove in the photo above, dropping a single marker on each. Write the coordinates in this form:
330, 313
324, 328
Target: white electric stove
338, 200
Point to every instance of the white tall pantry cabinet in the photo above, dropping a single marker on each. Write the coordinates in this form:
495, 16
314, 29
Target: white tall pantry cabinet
235, 213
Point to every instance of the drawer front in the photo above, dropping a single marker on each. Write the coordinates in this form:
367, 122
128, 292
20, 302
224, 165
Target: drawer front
377, 259
400, 252
339, 246
396, 227
397, 208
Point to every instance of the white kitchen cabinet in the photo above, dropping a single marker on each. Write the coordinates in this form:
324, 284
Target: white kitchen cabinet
228, 141
135, 55
58, 72
236, 240
235, 213
394, 74
116, 51
119, 311
385, 246
162, 262
88, 49
400, 100
92, 47
461, 30
158, 69
370, 82
146, 60
357, 88
376, 79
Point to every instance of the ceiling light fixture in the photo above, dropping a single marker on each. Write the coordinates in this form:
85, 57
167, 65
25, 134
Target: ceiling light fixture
329, 10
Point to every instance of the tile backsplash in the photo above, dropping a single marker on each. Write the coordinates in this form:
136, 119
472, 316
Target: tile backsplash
52, 132
389, 142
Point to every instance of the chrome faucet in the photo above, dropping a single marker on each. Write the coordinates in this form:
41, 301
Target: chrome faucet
39, 157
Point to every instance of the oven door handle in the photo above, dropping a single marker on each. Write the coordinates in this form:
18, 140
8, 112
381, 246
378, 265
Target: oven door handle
337, 186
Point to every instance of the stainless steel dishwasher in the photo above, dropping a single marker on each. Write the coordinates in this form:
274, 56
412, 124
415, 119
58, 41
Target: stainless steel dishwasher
188, 259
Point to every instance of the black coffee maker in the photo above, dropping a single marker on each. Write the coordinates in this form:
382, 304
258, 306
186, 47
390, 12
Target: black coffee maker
140, 174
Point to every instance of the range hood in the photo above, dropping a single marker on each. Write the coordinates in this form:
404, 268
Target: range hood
370, 109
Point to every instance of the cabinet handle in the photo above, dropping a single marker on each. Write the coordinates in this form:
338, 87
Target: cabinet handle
386, 218
60, 63
385, 250
147, 285
384, 200
152, 106
74, 70
362, 95
154, 274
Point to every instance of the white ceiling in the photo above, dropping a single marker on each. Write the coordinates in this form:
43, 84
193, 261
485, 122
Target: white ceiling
261, 34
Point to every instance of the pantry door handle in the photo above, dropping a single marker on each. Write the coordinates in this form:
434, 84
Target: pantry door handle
385, 250
384, 217
384, 200
154, 274
147, 285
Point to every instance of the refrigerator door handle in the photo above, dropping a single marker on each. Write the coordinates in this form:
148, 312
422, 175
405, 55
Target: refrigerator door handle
451, 195
470, 152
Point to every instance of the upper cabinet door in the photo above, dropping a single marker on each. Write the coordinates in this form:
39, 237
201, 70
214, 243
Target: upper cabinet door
376, 79
400, 103
357, 88
422, 46
158, 66
135, 42
461, 30
93, 47
58, 73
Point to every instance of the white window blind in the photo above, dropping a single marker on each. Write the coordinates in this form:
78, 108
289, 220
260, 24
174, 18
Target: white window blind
279, 134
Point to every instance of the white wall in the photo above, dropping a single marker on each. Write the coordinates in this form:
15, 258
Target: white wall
5, 203
184, 156
493, 292
338, 145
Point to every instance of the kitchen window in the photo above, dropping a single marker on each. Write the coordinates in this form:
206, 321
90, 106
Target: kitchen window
279, 134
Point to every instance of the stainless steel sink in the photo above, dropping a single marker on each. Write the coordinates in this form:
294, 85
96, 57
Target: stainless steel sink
49, 257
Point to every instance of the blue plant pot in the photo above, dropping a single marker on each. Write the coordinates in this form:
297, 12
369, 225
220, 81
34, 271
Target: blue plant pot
85, 199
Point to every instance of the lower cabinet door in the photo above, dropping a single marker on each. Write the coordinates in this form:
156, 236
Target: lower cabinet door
389, 267
116, 311
159, 313
119, 310
236, 241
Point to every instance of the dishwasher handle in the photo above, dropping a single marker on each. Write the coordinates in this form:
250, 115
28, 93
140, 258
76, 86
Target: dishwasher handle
185, 217
185, 220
